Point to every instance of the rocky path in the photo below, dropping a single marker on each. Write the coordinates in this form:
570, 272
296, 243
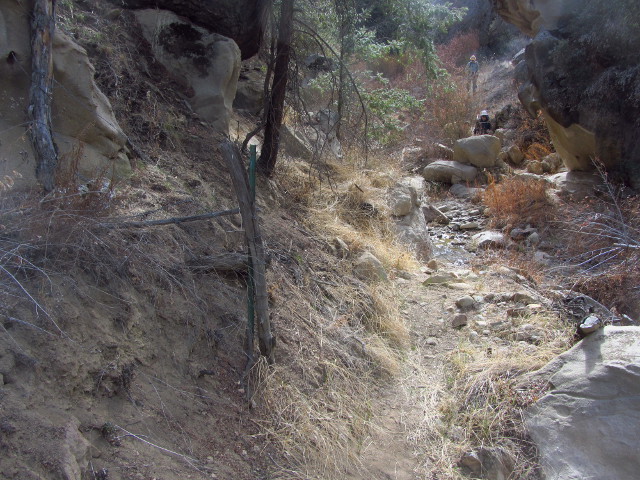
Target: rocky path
438, 325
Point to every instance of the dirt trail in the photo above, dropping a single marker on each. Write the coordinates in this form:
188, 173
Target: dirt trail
397, 450
392, 452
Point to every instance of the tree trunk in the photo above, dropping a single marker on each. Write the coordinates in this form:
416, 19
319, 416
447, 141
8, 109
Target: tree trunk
42, 30
256, 248
275, 113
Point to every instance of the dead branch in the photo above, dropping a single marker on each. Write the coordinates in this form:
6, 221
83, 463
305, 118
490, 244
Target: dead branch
168, 221
46, 153
220, 262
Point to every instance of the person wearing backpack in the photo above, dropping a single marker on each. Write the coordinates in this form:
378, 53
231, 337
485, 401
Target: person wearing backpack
472, 70
483, 124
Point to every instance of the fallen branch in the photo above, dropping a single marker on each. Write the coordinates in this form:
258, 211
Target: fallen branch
220, 262
173, 220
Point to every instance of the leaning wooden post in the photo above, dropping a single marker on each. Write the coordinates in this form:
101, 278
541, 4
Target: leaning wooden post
42, 30
266, 340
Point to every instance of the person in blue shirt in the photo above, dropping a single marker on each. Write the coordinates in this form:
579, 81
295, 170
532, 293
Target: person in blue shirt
472, 69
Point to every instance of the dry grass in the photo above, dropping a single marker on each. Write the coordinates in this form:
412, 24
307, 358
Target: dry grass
518, 201
339, 338
483, 400
349, 202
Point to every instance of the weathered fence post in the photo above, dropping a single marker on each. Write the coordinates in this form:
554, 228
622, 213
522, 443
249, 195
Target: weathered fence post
266, 340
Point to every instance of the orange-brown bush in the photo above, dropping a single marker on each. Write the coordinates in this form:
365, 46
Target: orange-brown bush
518, 201
532, 134
537, 151
455, 54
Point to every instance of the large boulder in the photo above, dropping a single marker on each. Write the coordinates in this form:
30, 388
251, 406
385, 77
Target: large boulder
241, 20
206, 63
449, 171
587, 424
410, 223
581, 71
90, 142
402, 200
481, 151
250, 91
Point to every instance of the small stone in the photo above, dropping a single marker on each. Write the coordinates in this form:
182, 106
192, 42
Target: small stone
470, 226
432, 264
440, 278
590, 324
534, 239
466, 303
459, 320
431, 341
341, 248
499, 325
486, 333
471, 460
404, 275
522, 297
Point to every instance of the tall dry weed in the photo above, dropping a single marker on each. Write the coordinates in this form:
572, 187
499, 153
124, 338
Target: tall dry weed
602, 242
517, 201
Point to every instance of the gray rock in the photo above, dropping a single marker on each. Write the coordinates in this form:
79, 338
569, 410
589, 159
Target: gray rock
432, 341
466, 303
515, 155
459, 320
533, 239
470, 226
489, 463
523, 297
368, 267
412, 231
577, 185
590, 324
521, 233
295, 143
480, 151
440, 278
489, 239
587, 424
460, 190
401, 200
433, 214
535, 167
448, 171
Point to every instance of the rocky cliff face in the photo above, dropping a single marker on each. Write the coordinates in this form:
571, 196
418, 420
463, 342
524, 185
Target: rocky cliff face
84, 127
581, 70
240, 20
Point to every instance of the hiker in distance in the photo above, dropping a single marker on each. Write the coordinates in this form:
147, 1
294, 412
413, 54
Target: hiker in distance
472, 69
